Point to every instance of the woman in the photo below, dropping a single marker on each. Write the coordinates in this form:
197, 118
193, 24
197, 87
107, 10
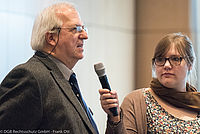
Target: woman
170, 105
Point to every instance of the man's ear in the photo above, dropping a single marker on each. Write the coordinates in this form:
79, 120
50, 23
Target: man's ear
51, 38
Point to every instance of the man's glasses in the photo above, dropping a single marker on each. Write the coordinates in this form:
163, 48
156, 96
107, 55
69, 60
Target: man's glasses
174, 60
77, 29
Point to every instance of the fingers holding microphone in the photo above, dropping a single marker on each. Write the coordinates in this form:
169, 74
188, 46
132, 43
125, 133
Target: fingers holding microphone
109, 99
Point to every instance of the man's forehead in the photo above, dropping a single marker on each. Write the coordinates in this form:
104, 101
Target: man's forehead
65, 10
66, 13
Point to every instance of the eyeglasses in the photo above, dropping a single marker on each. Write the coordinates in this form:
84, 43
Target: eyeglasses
77, 29
174, 60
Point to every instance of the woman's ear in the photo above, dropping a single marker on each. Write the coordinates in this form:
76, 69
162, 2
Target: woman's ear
189, 67
51, 38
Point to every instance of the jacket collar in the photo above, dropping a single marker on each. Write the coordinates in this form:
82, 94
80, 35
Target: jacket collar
64, 85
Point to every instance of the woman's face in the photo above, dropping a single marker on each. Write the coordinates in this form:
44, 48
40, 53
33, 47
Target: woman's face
172, 76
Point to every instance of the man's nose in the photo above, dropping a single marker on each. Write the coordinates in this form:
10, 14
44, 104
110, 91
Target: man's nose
83, 34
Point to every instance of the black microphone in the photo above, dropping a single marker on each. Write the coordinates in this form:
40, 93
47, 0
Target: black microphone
100, 70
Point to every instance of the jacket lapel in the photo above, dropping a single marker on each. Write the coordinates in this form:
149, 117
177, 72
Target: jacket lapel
64, 86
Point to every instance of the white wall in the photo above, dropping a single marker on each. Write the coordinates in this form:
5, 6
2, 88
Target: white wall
195, 32
16, 24
111, 41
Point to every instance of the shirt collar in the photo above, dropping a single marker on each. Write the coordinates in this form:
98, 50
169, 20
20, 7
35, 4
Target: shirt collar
63, 68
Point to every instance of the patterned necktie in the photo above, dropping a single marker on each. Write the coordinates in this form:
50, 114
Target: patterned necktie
76, 90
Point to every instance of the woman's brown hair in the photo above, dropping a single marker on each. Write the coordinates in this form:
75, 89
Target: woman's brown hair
181, 42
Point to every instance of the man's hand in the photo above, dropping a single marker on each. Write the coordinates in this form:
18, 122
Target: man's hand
109, 99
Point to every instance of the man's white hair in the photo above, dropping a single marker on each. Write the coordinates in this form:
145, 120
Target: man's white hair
46, 21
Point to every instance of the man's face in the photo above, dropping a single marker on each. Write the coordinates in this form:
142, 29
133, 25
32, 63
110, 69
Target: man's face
70, 44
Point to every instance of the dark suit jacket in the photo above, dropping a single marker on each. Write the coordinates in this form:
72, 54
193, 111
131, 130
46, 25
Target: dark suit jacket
36, 96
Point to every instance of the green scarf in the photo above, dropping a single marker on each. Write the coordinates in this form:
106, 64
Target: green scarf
189, 100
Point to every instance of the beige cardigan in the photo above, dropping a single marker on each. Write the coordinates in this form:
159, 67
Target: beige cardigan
133, 115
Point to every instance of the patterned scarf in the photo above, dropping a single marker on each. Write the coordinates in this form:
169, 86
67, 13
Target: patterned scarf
189, 100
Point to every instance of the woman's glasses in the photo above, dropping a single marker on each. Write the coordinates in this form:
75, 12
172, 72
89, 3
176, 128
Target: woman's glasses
174, 60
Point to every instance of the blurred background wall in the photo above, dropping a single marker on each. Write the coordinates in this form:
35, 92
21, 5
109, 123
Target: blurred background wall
154, 19
122, 35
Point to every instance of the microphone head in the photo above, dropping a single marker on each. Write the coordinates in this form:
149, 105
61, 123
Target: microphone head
99, 69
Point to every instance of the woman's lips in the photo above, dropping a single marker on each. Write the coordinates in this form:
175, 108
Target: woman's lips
167, 74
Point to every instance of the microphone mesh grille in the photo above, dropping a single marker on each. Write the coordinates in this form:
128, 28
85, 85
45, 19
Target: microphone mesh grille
99, 69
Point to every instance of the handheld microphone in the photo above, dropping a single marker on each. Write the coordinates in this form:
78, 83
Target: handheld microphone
100, 70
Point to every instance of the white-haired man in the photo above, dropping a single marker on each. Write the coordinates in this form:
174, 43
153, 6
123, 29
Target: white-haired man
41, 94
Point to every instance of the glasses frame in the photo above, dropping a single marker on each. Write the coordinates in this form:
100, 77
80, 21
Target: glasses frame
77, 28
170, 59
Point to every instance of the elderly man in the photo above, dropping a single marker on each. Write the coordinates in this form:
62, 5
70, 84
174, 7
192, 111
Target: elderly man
42, 94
